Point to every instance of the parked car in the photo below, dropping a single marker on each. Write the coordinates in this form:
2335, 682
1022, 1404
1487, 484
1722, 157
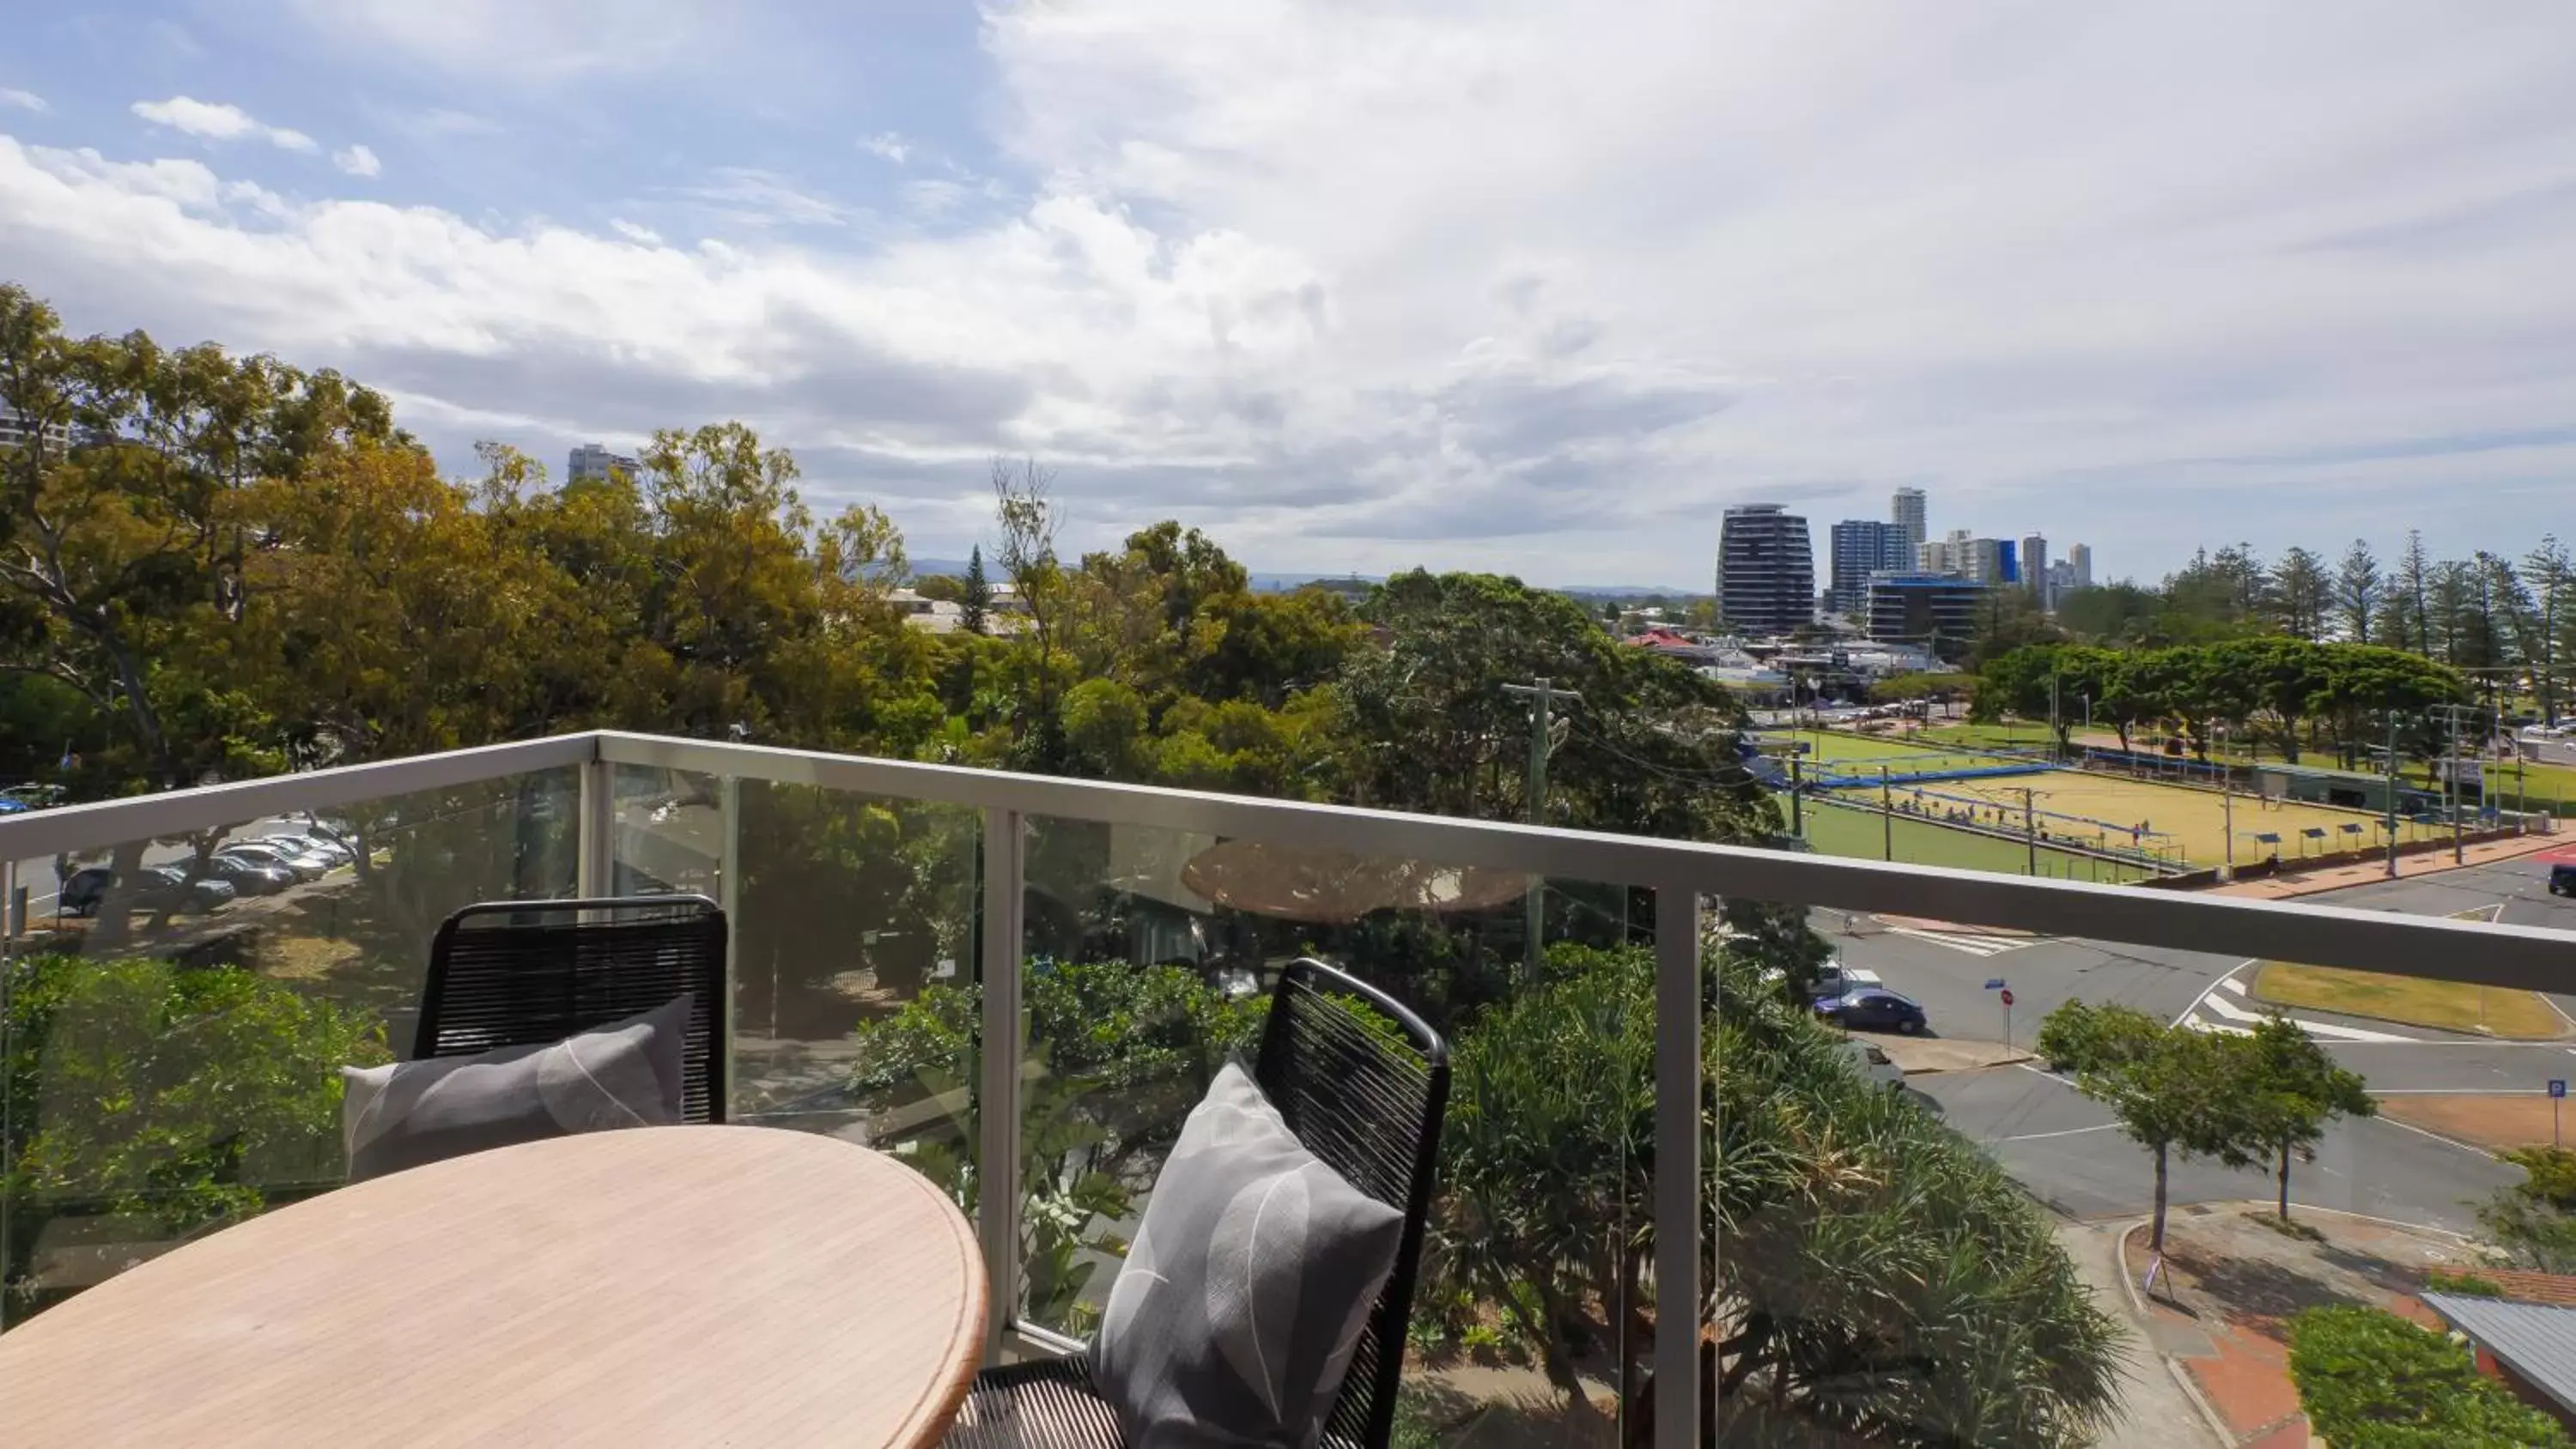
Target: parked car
1837, 979
305, 864
83, 889
323, 846
250, 877
1871, 1060
1873, 1008
167, 887
154, 888
2562, 879
31, 797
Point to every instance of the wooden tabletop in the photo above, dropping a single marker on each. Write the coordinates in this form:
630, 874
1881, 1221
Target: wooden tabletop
667, 1285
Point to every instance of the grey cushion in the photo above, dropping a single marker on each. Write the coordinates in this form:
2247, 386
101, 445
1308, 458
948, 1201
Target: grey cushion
1234, 1317
625, 1074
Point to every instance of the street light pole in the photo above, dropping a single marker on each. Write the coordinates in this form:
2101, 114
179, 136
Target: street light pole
2029, 835
1887, 814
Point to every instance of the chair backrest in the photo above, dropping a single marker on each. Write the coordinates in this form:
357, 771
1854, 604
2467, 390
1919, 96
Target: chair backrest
1367, 1098
522, 973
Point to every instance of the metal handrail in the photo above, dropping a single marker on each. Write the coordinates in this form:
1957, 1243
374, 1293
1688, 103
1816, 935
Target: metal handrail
2434, 948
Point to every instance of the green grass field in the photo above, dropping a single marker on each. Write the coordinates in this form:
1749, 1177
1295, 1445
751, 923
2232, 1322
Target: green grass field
1839, 747
1862, 835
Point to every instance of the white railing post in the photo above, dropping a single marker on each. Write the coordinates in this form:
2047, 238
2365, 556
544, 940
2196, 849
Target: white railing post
997, 1108
1677, 1166
595, 866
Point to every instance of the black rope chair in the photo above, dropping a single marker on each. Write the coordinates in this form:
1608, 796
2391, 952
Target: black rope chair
1367, 1102
524, 973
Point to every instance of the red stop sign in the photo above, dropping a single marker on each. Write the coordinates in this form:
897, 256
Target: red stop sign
2007, 996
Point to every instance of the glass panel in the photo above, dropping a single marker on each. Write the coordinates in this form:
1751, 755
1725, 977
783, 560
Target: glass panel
178, 1010
1151, 955
1877, 1269
2327, 1136
853, 951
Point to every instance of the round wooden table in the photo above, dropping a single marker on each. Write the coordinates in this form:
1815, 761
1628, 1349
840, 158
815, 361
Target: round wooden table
667, 1285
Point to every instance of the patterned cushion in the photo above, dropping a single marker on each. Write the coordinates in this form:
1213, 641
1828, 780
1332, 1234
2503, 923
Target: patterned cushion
1235, 1315
625, 1074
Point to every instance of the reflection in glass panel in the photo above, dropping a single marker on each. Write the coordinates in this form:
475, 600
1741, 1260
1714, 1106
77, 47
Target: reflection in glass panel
853, 920
1150, 957
178, 1011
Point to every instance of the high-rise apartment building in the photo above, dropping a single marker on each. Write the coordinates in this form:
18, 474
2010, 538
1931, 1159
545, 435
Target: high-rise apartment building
2034, 568
1934, 612
1905, 510
2080, 558
592, 462
1863, 547
16, 431
1978, 560
1766, 571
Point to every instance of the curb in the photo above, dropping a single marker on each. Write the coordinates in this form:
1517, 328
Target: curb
2181, 1376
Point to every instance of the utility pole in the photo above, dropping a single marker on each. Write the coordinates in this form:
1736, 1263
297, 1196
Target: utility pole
2392, 794
2227, 804
1542, 694
2451, 780
2030, 838
1887, 814
2052, 710
1797, 802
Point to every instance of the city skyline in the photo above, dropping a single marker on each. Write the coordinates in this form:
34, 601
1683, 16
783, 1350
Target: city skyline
1977, 249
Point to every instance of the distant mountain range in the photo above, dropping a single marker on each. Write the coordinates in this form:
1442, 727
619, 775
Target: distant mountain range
1280, 583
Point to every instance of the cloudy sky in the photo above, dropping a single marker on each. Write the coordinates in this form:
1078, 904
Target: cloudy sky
1536, 287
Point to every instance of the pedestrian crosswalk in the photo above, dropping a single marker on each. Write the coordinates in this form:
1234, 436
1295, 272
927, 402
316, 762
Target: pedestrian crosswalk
2225, 1009
1973, 942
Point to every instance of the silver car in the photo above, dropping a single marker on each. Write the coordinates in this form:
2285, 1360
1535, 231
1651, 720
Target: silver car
305, 864
329, 849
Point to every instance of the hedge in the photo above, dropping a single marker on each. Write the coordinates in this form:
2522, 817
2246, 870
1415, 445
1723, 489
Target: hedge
2371, 1380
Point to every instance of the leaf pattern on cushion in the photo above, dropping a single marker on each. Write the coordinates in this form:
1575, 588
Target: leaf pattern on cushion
1130, 1291
1263, 1230
594, 1082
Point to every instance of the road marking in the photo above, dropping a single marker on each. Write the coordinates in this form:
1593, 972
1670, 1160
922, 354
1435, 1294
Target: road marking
2436, 1136
2193, 1010
2068, 1132
2229, 983
2223, 1007
2045, 1072
2458, 1092
1968, 941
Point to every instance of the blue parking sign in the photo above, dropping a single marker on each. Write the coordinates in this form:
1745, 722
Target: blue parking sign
1994, 983
2558, 1086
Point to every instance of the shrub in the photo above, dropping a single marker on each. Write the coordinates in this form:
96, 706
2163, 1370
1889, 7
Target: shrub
2372, 1380
2467, 1285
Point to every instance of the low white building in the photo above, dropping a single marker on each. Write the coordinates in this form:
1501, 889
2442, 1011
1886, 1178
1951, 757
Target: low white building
930, 616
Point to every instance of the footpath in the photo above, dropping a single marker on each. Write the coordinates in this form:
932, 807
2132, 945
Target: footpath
2335, 878
2211, 1357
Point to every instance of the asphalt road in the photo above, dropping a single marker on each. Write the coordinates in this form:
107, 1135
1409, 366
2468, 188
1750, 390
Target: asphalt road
2067, 1150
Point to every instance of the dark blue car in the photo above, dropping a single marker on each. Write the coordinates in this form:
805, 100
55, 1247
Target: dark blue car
1872, 1008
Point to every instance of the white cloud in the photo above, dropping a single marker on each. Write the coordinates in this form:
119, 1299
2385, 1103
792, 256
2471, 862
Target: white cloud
1514, 288
357, 160
888, 146
554, 40
22, 100
751, 197
216, 121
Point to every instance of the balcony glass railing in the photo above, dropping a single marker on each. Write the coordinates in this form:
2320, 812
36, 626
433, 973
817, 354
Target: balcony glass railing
1020, 984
